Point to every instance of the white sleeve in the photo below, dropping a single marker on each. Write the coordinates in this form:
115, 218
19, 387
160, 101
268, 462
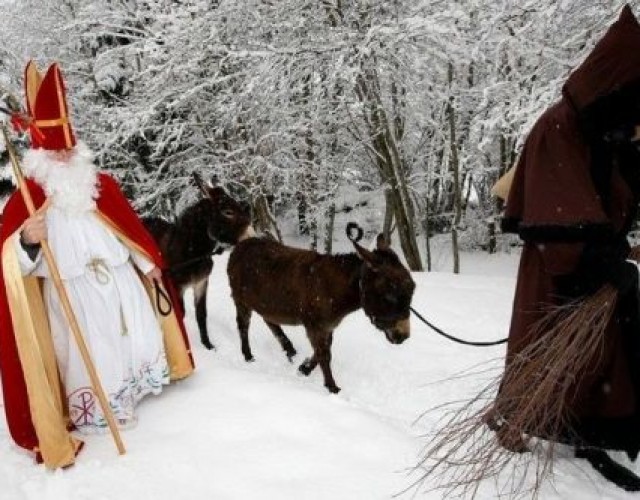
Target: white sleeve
141, 262
26, 264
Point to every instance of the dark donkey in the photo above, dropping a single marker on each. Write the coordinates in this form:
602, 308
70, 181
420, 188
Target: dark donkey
291, 286
187, 246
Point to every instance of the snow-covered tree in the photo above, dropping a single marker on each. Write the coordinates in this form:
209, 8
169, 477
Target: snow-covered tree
288, 103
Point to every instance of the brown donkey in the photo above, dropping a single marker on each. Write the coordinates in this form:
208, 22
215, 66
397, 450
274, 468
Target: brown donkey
291, 286
187, 245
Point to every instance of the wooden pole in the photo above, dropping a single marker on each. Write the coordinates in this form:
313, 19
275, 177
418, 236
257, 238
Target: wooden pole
66, 304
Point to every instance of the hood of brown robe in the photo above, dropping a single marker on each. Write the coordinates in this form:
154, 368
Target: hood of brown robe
553, 197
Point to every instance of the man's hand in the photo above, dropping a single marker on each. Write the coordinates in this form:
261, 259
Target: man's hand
34, 230
155, 274
636, 136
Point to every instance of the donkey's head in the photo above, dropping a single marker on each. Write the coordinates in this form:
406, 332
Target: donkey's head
229, 219
386, 288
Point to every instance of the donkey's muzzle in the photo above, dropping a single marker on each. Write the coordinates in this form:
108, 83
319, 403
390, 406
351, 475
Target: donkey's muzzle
399, 332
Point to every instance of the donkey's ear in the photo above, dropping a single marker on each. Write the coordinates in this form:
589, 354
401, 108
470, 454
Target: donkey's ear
367, 257
382, 243
200, 183
354, 232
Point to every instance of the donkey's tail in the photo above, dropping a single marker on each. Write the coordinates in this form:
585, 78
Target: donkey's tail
354, 232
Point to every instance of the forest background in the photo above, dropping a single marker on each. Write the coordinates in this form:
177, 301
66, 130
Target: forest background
310, 108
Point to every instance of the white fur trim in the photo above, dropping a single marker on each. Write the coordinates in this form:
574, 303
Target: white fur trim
72, 184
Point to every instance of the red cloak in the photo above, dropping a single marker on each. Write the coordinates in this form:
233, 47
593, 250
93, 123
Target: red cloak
112, 206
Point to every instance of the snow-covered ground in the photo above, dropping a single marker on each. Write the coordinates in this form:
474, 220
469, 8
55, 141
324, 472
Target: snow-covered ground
238, 430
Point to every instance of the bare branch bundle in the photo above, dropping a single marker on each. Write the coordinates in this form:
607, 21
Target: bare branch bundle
540, 382
531, 399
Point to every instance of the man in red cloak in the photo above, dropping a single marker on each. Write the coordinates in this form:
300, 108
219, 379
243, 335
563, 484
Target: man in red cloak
96, 237
573, 199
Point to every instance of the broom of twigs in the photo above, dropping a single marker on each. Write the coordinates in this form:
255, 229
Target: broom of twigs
532, 398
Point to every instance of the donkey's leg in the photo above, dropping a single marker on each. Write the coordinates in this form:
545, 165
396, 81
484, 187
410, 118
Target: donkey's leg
243, 318
200, 303
283, 339
308, 365
321, 342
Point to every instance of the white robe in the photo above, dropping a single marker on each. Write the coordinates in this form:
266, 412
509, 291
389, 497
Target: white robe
114, 314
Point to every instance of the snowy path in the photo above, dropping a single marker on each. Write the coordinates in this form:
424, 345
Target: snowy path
261, 431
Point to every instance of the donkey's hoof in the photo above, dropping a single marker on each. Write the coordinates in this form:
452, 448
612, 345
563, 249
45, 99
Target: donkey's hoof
333, 389
306, 367
291, 355
208, 345
249, 358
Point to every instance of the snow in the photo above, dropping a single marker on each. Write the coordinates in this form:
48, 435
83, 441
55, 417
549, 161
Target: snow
238, 430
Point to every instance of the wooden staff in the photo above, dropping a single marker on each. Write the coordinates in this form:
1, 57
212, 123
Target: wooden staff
66, 304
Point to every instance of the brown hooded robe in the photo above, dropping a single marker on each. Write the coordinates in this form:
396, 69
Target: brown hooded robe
563, 200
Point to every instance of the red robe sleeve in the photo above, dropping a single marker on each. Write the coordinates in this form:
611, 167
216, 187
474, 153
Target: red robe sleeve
16, 401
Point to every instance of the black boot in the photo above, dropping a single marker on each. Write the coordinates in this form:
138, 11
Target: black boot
613, 471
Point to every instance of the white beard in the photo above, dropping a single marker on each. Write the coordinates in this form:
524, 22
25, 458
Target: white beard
71, 185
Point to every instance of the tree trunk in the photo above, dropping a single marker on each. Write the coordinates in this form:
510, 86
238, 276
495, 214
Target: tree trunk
455, 172
491, 245
329, 227
387, 228
426, 227
389, 163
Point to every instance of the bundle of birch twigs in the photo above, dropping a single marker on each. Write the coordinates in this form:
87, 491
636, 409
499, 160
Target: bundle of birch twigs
529, 400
